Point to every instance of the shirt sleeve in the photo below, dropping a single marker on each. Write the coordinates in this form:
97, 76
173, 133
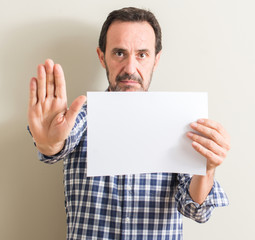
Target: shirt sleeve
199, 213
72, 141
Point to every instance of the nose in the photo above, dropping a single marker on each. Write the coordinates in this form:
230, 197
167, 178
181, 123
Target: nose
130, 65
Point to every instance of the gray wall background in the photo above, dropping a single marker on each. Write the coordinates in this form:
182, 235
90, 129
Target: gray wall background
208, 46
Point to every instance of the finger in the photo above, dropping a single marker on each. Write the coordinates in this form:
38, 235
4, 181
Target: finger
41, 83
33, 92
209, 144
49, 78
212, 158
211, 134
60, 85
214, 125
74, 109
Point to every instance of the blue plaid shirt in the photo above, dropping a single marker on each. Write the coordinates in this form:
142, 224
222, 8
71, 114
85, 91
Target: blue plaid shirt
128, 207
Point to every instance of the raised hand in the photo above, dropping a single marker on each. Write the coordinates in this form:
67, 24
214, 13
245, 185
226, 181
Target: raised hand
50, 121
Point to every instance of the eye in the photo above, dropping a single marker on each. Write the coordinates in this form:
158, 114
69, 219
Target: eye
119, 54
142, 55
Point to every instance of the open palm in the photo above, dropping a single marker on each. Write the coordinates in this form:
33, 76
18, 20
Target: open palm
50, 121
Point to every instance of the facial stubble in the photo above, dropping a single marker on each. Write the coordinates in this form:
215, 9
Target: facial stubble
125, 76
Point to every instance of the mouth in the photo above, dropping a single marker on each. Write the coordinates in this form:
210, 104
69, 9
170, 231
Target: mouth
131, 82
129, 79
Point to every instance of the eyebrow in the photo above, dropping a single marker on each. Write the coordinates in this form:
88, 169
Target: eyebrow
119, 50
125, 50
143, 50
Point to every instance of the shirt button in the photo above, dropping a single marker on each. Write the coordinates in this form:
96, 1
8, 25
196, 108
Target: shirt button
127, 220
129, 187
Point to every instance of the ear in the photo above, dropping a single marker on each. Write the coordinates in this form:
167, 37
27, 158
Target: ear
157, 60
101, 57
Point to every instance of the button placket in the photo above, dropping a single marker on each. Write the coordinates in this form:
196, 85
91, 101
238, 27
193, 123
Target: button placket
130, 185
128, 200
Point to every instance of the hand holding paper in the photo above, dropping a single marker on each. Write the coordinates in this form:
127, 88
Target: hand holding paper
214, 144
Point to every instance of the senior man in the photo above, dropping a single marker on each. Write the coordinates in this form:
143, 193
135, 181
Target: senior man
141, 206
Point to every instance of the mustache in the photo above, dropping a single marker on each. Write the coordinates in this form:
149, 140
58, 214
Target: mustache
127, 76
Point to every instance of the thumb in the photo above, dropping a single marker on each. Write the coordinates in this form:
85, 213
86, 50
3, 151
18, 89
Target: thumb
74, 109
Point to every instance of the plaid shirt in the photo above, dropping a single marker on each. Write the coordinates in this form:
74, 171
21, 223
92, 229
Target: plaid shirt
128, 207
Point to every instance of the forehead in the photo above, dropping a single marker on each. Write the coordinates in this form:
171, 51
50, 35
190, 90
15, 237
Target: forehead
130, 35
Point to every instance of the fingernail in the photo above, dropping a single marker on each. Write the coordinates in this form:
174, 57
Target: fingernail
190, 134
200, 120
194, 124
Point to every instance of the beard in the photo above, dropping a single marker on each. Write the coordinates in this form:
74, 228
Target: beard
120, 87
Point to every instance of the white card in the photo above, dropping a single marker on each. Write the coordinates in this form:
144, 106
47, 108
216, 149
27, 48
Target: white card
143, 132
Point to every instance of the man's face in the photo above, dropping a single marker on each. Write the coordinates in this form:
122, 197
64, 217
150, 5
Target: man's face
129, 57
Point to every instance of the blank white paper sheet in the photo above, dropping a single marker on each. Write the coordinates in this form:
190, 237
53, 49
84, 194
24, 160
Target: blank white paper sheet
143, 132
